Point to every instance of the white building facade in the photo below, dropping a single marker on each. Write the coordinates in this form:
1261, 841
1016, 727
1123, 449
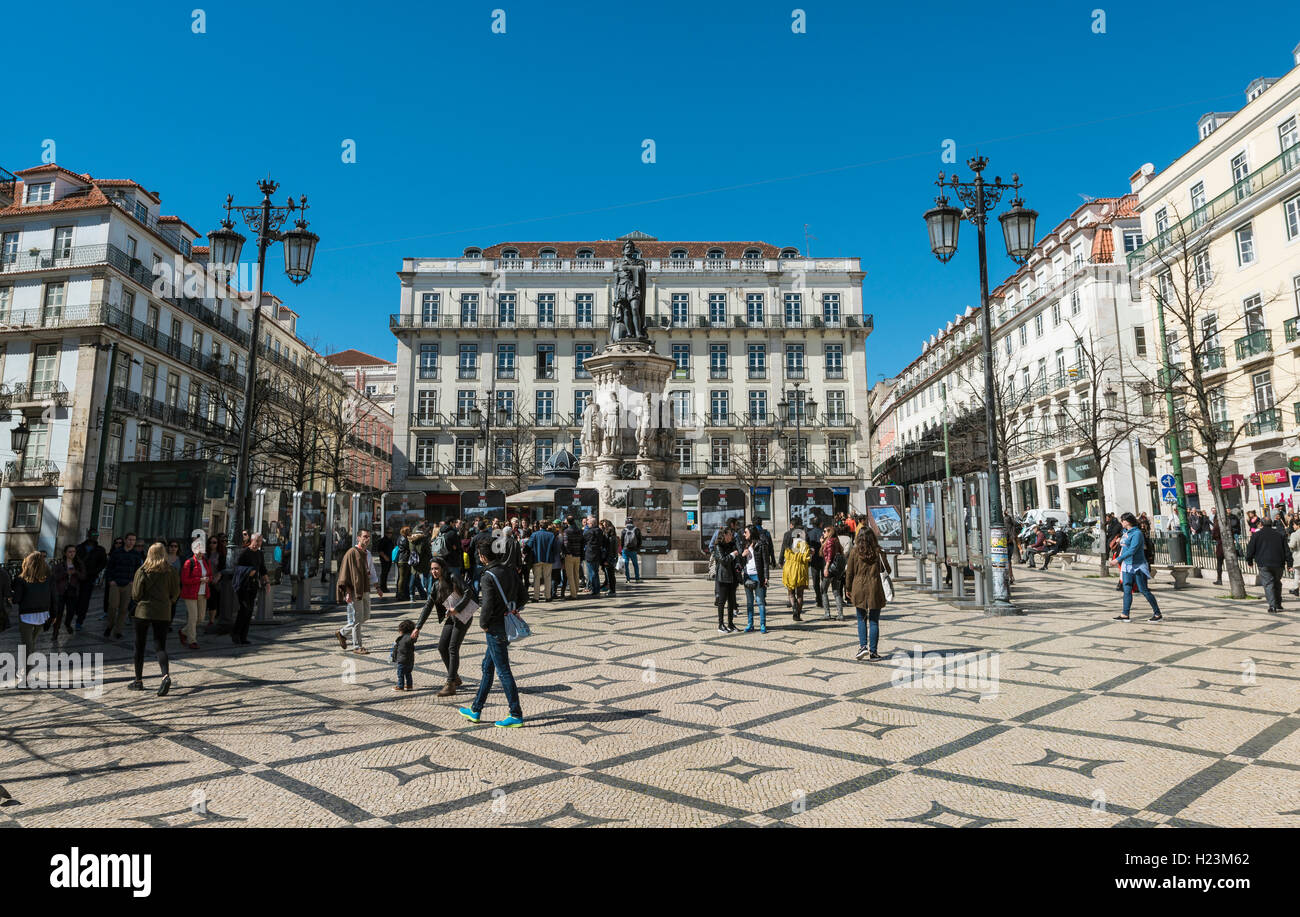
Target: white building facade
750, 325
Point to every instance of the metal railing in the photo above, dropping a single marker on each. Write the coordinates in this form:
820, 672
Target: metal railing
36, 392
32, 471
1269, 421
170, 414
1262, 179
1254, 344
1213, 358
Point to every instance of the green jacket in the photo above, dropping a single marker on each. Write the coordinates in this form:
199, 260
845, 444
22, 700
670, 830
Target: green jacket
155, 594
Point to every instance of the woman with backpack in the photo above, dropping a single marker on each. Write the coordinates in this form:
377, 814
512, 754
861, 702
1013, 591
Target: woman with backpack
402, 557
155, 589
835, 564
865, 589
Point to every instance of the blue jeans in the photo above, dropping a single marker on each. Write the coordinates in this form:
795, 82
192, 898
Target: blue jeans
755, 593
593, 576
497, 661
1138, 579
404, 675
631, 559
869, 628
420, 584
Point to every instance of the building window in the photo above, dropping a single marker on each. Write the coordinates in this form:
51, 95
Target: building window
1246, 245
143, 441
717, 361
721, 456
107, 516
44, 367
1038, 325
719, 405
509, 254
758, 406
63, 242
506, 405
682, 451
794, 309
429, 361
1241, 183
831, 308
1140, 341
1262, 385
40, 193
545, 310
426, 405
681, 402
1024, 335
1075, 304
1198, 196
580, 354
678, 254
506, 303
543, 449
1201, 272
681, 305
1292, 211
682, 359
794, 365
1162, 221
838, 452
834, 361
1252, 309
716, 254
469, 309
468, 365
584, 304
836, 413
1056, 314
27, 514
1132, 240
757, 361
718, 309
754, 309
464, 455
52, 304
546, 361
425, 453
544, 406
547, 253
505, 361
586, 253
173, 395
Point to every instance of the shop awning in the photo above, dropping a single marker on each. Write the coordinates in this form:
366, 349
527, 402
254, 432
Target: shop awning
532, 497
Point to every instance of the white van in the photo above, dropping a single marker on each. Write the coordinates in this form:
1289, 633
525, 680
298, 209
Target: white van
1058, 516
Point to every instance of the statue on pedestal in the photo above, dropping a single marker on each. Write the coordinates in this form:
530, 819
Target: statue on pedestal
628, 322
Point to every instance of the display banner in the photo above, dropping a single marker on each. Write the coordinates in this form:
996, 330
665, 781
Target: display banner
650, 510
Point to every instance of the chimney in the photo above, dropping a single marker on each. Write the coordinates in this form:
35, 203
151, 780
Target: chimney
1138, 180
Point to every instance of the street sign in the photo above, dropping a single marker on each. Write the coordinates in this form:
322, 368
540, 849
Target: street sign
1168, 495
1295, 482
1166, 480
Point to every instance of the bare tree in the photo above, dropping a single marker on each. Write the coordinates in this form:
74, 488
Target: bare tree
1015, 439
1182, 286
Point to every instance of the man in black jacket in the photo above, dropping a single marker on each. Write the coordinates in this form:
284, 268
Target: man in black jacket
571, 541
1269, 551
593, 555
500, 585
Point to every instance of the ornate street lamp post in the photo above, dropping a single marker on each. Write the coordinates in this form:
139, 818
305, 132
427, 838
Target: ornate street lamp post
224, 247
943, 221
800, 404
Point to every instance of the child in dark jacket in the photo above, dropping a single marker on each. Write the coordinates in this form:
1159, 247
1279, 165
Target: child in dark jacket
404, 655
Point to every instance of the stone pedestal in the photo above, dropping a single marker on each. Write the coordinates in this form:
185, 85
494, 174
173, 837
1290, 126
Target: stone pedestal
627, 440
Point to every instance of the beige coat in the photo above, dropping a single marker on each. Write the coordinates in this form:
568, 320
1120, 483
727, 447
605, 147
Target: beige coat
354, 575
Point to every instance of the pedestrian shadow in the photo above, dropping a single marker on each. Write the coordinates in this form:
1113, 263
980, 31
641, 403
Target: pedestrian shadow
612, 716
543, 689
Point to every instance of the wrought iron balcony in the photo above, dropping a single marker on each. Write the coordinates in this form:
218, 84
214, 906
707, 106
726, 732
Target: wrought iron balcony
1213, 359
32, 472
1255, 344
37, 393
1291, 328
1269, 421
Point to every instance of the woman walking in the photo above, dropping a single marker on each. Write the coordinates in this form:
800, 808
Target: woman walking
754, 557
447, 583
34, 596
864, 588
835, 563
196, 588
403, 560
68, 579
794, 573
155, 589
1133, 568
725, 555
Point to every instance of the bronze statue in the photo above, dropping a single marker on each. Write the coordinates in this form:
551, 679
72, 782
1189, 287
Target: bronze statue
629, 298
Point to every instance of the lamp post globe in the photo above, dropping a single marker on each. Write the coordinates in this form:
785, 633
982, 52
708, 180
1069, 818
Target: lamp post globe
20, 435
1018, 230
299, 251
943, 221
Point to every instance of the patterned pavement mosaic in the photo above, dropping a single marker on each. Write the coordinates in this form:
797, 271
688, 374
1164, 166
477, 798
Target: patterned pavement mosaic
639, 713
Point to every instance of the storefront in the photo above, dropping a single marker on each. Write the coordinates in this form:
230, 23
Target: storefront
1027, 494
166, 500
1085, 502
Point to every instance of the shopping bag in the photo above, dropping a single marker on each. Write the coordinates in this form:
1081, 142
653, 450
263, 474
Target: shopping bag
887, 583
516, 627
621, 565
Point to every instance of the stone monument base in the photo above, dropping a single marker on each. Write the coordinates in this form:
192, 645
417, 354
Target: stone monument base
685, 556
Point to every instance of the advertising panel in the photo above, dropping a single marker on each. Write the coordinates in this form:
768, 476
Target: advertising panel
650, 509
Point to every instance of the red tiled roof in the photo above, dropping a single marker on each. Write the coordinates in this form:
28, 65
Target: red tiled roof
1103, 246
613, 248
125, 182
90, 201
355, 358
51, 167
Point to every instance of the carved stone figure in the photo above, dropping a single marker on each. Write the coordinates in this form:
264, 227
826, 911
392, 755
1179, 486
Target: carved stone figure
644, 434
591, 432
610, 427
629, 298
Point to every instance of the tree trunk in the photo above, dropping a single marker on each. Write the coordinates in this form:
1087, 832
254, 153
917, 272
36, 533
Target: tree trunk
1236, 584
1101, 521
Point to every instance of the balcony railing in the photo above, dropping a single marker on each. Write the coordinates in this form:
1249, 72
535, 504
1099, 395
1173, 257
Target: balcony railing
1213, 358
756, 372
719, 372
795, 372
35, 393
466, 372
1291, 328
1254, 344
40, 472
1262, 179
1269, 421
171, 415
399, 321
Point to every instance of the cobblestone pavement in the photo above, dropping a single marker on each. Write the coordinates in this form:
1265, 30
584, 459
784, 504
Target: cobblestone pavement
639, 713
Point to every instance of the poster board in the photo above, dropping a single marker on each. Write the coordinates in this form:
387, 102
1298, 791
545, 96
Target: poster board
804, 501
402, 508
976, 532
915, 533
650, 509
577, 502
950, 494
482, 504
885, 513
718, 506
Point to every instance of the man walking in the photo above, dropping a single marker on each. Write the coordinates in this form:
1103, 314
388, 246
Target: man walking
572, 557
357, 578
543, 545
1268, 550
122, 564
631, 550
251, 557
95, 559
500, 585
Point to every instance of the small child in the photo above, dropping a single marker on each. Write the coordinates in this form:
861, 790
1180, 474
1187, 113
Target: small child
404, 655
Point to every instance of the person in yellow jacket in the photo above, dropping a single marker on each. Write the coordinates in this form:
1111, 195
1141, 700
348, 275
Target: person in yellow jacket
794, 571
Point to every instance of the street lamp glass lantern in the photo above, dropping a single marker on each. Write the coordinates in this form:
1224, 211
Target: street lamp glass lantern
476, 414
224, 246
1112, 398
19, 436
1018, 230
299, 251
810, 407
942, 221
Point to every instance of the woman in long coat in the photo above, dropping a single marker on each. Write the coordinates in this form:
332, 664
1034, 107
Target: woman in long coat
863, 587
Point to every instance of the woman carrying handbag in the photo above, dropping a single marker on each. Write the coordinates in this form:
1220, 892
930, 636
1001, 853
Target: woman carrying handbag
865, 589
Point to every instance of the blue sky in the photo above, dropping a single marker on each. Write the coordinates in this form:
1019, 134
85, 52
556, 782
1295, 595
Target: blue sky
468, 137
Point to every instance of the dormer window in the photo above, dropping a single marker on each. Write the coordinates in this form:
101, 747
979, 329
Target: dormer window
473, 253
789, 253
753, 254
41, 193
586, 253
716, 254
546, 253
678, 254
510, 254
141, 212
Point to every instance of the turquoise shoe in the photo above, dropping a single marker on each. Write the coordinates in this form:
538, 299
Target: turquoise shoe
509, 722
469, 714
